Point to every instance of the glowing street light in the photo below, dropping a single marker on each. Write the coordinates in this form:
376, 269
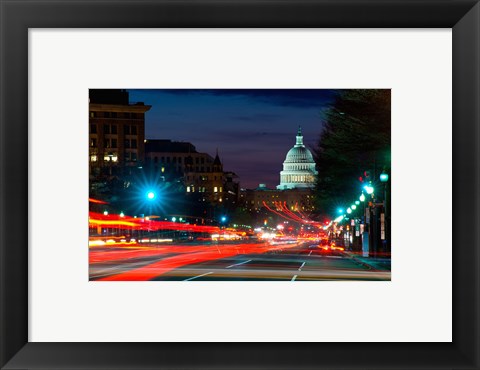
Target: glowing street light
354, 207
340, 210
384, 177
105, 213
151, 195
349, 210
174, 219
357, 202
369, 189
362, 198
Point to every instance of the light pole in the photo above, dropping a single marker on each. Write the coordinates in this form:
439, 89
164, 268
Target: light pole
384, 179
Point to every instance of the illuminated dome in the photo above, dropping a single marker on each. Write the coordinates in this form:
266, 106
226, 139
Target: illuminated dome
298, 167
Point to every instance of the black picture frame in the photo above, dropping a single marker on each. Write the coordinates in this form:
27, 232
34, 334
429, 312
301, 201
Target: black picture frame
17, 16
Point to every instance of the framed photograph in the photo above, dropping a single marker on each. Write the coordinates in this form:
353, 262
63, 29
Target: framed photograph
268, 184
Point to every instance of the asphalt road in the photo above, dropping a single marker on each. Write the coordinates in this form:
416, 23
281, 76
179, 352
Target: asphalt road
303, 262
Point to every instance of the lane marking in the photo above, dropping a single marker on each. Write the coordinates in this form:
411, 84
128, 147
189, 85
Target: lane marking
207, 273
303, 264
310, 253
237, 264
293, 279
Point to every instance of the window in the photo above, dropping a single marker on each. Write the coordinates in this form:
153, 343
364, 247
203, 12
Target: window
110, 157
92, 114
93, 128
114, 114
93, 142
179, 159
106, 114
215, 189
106, 143
106, 129
114, 143
133, 156
127, 143
126, 129
196, 160
93, 158
133, 143
133, 130
175, 160
114, 129
155, 159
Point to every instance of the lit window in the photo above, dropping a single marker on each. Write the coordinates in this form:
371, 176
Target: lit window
215, 189
111, 157
188, 189
221, 189
93, 158
163, 169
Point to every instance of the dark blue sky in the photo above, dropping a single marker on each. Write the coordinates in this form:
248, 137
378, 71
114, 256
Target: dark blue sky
252, 129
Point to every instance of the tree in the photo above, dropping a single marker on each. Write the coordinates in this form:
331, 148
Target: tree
356, 138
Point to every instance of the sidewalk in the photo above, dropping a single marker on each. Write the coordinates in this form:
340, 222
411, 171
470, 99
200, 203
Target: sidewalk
381, 264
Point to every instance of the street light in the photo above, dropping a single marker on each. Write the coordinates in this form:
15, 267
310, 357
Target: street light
151, 195
357, 202
384, 177
384, 180
349, 210
369, 189
340, 210
354, 207
362, 198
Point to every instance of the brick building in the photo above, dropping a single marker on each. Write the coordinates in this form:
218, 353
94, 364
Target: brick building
116, 132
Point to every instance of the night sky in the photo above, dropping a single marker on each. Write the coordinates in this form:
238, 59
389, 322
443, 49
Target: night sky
252, 129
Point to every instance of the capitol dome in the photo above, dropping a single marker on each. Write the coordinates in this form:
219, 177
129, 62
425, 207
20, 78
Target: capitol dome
298, 167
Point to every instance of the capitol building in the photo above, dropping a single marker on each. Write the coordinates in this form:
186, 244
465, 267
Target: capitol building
298, 168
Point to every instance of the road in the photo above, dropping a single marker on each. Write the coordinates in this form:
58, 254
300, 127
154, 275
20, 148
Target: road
229, 262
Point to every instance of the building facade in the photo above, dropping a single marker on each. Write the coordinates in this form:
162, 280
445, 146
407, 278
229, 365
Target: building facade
298, 168
201, 174
295, 199
116, 132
